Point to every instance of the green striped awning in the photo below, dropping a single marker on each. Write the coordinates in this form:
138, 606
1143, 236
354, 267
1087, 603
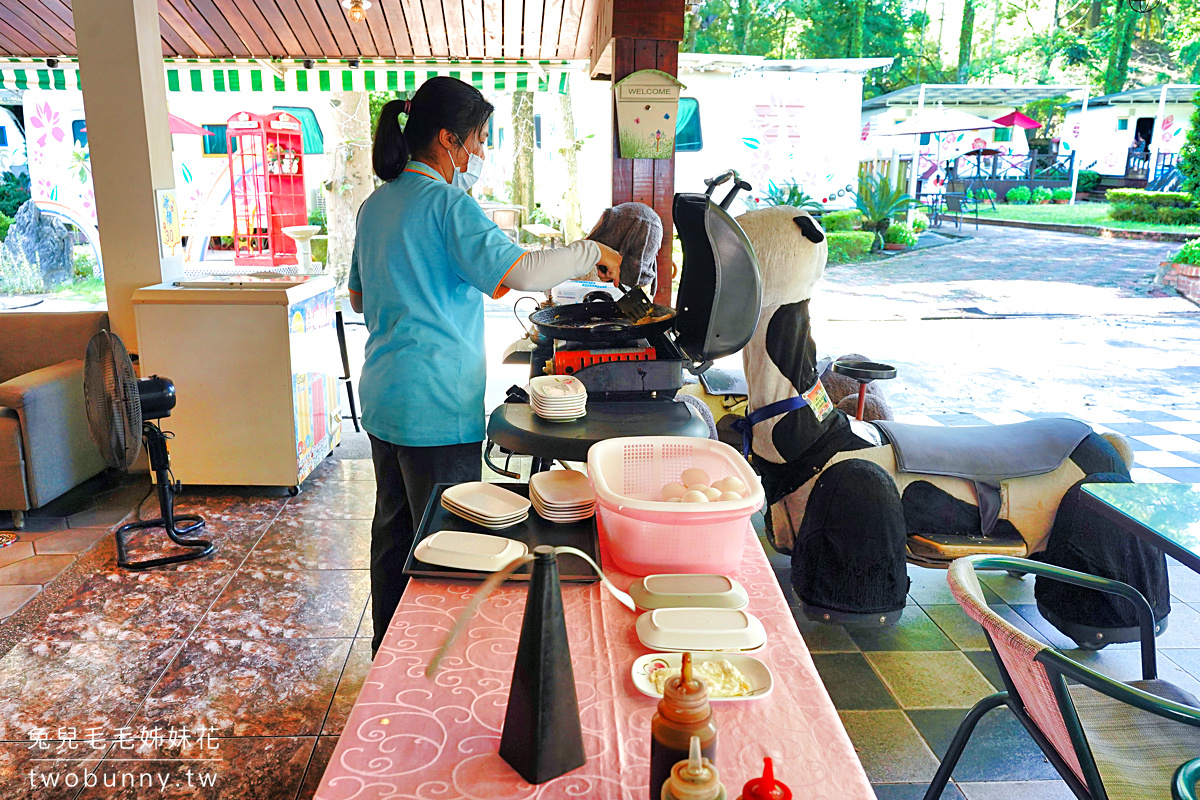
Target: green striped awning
487, 76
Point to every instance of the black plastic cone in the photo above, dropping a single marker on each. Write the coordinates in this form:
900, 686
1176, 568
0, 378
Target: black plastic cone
542, 738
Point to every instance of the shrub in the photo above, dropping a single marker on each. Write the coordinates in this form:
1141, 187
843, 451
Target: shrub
899, 233
5, 221
1018, 195
880, 202
1040, 195
1143, 197
84, 266
920, 222
1088, 180
848, 246
845, 220
1188, 254
14, 191
1189, 154
1168, 215
1061, 193
790, 194
982, 194
1163, 215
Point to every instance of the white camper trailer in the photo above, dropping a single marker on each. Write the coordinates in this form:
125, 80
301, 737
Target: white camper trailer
775, 122
1121, 134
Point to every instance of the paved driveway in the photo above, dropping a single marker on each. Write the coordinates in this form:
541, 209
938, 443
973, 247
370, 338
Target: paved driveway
1013, 319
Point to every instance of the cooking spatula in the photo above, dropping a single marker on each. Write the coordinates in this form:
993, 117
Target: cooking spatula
634, 304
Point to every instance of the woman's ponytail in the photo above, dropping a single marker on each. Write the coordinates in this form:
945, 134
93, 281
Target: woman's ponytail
390, 152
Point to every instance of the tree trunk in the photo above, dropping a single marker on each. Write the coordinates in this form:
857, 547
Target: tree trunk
350, 178
1095, 14
522, 180
693, 31
965, 34
1117, 68
743, 21
1051, 49
856, 29
571, 222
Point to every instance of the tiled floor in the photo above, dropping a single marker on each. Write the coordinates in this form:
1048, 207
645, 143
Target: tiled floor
259, 653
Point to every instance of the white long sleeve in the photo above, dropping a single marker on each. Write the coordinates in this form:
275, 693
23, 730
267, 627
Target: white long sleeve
540, 270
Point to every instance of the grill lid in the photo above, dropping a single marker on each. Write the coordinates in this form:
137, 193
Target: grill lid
720, 286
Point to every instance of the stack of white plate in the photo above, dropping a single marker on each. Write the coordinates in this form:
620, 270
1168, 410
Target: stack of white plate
486, 504
562, 496
558, 398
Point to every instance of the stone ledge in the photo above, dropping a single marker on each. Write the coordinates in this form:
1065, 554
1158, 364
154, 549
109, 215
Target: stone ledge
1088, 230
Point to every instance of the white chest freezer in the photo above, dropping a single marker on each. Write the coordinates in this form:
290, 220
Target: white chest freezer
256, 368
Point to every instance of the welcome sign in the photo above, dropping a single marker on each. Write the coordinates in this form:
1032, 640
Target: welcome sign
647, 102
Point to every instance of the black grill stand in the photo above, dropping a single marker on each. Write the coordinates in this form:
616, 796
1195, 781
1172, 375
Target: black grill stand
160, 462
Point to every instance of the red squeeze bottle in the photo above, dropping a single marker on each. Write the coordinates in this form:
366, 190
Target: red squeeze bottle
766, 787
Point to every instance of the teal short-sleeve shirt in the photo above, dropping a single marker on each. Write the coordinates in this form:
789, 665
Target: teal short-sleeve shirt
424, 257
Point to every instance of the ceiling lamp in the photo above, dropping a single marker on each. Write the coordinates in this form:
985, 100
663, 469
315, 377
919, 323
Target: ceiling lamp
357, 9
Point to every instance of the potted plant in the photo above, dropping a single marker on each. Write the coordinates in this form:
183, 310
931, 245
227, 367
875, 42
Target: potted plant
1018, 195
1040, 195
1061, 195
879, 203
898, 236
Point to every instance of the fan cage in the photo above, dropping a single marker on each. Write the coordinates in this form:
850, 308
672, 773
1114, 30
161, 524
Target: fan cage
114, 409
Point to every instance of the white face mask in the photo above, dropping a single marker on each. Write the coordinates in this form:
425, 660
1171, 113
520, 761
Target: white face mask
465, 180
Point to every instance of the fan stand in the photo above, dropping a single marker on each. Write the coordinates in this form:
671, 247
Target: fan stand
160, 462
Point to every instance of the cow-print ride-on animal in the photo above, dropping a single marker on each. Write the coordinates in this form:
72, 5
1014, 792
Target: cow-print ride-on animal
852, 501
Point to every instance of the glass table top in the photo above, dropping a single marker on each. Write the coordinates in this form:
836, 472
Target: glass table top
1171, 510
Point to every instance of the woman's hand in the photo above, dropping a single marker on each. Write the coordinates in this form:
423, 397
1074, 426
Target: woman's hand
609, 268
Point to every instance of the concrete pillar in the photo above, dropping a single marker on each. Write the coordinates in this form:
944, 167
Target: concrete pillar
125, 100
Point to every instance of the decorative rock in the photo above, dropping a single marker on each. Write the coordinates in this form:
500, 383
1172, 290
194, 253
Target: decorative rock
37, 248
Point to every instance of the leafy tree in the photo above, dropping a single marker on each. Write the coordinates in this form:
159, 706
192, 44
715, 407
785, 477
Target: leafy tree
14, 191
1189, 154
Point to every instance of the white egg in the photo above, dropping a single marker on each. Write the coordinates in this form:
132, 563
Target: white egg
673, 490
730, 484
697, 487
712, 494
725, 496
694, 497
693, 476
674, 500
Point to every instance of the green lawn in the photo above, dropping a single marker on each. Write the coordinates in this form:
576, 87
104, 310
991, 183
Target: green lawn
89, 291
1078, 214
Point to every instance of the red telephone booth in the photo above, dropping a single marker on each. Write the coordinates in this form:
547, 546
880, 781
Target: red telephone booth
266, 174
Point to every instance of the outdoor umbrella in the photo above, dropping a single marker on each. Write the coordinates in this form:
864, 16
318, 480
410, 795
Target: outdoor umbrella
177, 125
1018, 119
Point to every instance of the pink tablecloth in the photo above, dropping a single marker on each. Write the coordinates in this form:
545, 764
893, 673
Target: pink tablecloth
409, 737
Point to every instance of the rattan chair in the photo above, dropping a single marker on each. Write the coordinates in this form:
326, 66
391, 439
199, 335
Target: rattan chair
1108, 740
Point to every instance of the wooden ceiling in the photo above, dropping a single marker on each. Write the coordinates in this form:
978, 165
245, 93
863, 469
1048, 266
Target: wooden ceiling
509, 29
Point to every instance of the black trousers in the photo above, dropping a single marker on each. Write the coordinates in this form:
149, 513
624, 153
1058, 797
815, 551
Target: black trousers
404, 479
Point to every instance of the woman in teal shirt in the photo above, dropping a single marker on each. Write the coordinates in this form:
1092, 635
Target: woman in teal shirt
424, 257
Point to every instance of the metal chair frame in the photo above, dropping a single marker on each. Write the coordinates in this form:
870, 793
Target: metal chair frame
1058, 668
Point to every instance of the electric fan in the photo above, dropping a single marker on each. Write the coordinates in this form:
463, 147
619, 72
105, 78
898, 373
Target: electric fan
120, 410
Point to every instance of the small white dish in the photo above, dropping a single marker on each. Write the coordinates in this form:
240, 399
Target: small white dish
485, 500
562, 488
757, 674
555, 386
688, 591
490, 524
466, 550
690, 629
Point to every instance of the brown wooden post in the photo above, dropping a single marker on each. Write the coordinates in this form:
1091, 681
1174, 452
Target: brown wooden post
645, 34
